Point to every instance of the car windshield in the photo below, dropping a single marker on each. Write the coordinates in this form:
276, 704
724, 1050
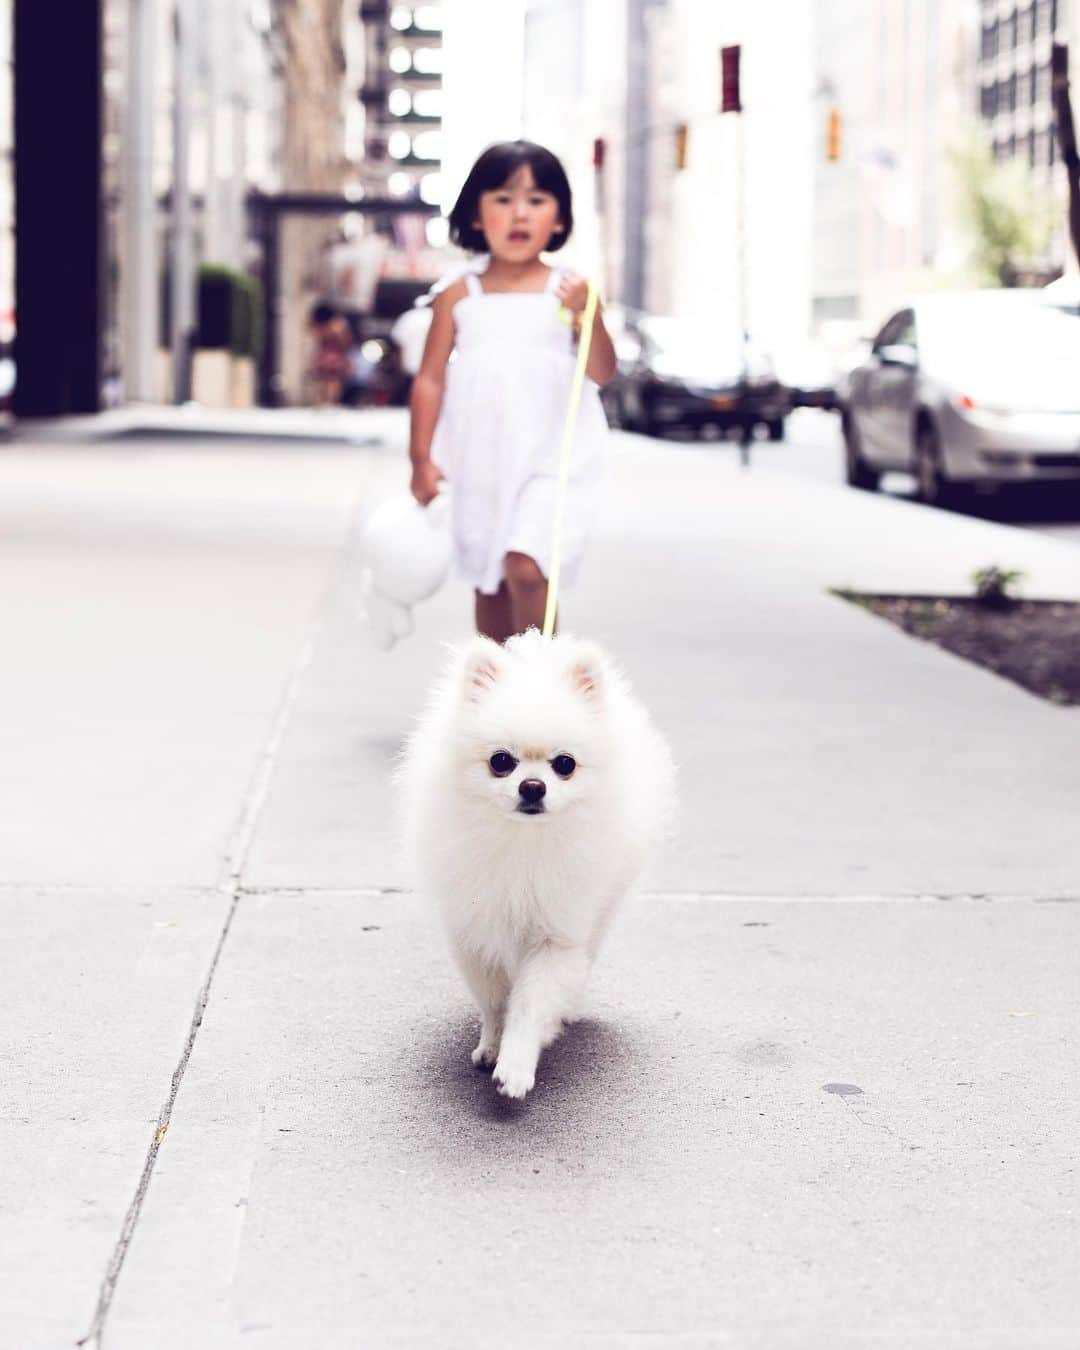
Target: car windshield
1003, 350
691, 351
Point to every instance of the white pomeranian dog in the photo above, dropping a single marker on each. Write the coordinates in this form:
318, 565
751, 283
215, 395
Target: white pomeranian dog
535, 786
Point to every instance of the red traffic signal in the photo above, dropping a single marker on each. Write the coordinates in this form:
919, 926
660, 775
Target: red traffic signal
599, 150
729, 79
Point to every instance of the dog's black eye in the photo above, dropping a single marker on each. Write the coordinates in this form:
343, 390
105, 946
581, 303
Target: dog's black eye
501, 763
564, 765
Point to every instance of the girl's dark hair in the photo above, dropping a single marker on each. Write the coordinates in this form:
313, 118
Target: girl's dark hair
492, 170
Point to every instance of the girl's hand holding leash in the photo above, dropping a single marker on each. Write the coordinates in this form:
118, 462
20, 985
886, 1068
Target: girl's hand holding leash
573, 295
573, 292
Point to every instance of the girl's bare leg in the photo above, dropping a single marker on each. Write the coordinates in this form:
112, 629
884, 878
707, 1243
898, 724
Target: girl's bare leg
494, 618
528, 591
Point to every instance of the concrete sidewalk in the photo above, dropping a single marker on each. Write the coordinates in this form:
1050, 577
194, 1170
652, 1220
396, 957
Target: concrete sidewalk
826, 1091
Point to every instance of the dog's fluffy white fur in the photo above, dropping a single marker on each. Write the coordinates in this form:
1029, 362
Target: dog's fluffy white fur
534, 786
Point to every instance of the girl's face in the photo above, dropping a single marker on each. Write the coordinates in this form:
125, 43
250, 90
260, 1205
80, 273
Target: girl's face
518, 219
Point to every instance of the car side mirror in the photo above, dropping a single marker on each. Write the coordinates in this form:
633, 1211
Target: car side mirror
898, 354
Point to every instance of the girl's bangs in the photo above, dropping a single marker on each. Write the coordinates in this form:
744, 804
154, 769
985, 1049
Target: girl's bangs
501, 168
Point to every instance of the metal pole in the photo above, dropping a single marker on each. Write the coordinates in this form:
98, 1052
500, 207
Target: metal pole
271, 381
633, 295
140, 279
183, 274
740, 226
603, 261
238, 107
1066, 134
210, 64
741, 263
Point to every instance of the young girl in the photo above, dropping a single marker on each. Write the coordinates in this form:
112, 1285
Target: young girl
491, 420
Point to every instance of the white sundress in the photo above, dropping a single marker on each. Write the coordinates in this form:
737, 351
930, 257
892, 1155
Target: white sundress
500, 431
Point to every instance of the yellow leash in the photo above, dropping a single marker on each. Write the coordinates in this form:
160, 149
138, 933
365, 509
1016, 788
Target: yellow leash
584, 343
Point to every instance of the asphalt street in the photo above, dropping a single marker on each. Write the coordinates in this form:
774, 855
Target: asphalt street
814, 447
824, 1093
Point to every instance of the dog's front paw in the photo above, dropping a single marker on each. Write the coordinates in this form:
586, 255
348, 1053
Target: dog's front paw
487, 1048
515, 1074
485, 1055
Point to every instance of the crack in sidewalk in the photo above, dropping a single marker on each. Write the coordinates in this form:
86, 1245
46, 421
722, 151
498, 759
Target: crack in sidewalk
131, 1218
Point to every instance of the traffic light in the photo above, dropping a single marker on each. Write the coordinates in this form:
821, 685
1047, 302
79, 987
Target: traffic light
682, 141
832, 136
729, 79
599, 153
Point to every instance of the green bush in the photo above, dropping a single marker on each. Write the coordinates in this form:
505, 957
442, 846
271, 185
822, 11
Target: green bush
229, 312
993, 586
247, 330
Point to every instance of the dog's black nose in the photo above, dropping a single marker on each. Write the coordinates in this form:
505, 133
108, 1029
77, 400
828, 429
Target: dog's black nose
532, 790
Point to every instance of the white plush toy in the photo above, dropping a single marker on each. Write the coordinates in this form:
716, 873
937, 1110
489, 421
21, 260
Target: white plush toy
406, 559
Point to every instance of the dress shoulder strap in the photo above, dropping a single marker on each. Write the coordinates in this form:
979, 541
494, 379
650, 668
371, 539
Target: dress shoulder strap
466, 271
553, 279
472, 284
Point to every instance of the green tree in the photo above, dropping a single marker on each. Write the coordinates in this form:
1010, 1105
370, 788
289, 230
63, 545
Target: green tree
1006, 215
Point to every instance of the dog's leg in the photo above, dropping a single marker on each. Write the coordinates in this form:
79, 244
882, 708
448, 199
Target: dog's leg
489, 987
545, 993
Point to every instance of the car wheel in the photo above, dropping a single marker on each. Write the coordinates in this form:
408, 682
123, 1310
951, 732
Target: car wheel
935, 487
858, 473
776, 429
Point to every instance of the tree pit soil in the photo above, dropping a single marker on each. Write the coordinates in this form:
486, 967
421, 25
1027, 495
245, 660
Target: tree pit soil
1034, 643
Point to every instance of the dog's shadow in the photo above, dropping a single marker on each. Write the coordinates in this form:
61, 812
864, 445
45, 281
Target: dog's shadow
584, 1073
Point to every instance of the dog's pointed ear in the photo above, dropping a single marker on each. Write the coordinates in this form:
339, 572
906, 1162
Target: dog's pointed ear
587, 671
484, 663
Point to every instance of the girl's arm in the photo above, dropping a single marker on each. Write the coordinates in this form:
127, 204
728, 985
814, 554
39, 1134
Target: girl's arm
573, 291
426, 398
601, 364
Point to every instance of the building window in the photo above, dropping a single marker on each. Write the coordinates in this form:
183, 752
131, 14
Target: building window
989, 40
1042, 84
1013, 29
1033, 85
1053, 16
1042, 16
988, 100
1011, 94
428, 103
1039, 151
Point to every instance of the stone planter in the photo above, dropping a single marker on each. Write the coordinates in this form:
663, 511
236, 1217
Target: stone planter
243, 382
221, 380
211, 378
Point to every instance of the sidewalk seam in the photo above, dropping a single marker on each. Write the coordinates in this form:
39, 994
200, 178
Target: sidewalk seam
360, 892
236, 855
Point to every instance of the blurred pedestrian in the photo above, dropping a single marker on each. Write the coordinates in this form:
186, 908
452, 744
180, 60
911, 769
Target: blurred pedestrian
330, 360
490, 421
410, 332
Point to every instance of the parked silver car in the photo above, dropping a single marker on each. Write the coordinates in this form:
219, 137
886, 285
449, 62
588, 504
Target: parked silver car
960, 389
